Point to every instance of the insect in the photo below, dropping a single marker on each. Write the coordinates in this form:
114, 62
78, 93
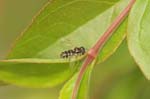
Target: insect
77, 51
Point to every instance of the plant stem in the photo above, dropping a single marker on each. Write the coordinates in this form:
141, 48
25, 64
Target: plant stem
93, 52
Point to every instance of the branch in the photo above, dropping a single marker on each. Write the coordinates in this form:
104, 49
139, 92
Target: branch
93, 52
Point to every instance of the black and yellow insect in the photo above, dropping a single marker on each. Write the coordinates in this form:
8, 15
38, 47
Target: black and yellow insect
77, 51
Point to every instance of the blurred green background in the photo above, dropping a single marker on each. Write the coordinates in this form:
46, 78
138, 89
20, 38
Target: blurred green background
117, 78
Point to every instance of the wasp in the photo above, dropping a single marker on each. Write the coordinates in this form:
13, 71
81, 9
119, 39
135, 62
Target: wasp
77, 51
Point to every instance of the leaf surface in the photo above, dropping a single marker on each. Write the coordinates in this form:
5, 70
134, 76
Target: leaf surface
63, 24
139, 35
36, 72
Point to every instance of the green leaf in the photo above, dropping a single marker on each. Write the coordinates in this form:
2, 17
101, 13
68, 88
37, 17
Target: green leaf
63, 24
139, 35
83, 91
36, 72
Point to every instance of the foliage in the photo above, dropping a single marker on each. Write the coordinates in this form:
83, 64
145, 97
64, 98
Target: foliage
34, 60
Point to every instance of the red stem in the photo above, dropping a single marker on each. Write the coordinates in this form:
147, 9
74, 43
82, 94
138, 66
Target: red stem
93, 52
